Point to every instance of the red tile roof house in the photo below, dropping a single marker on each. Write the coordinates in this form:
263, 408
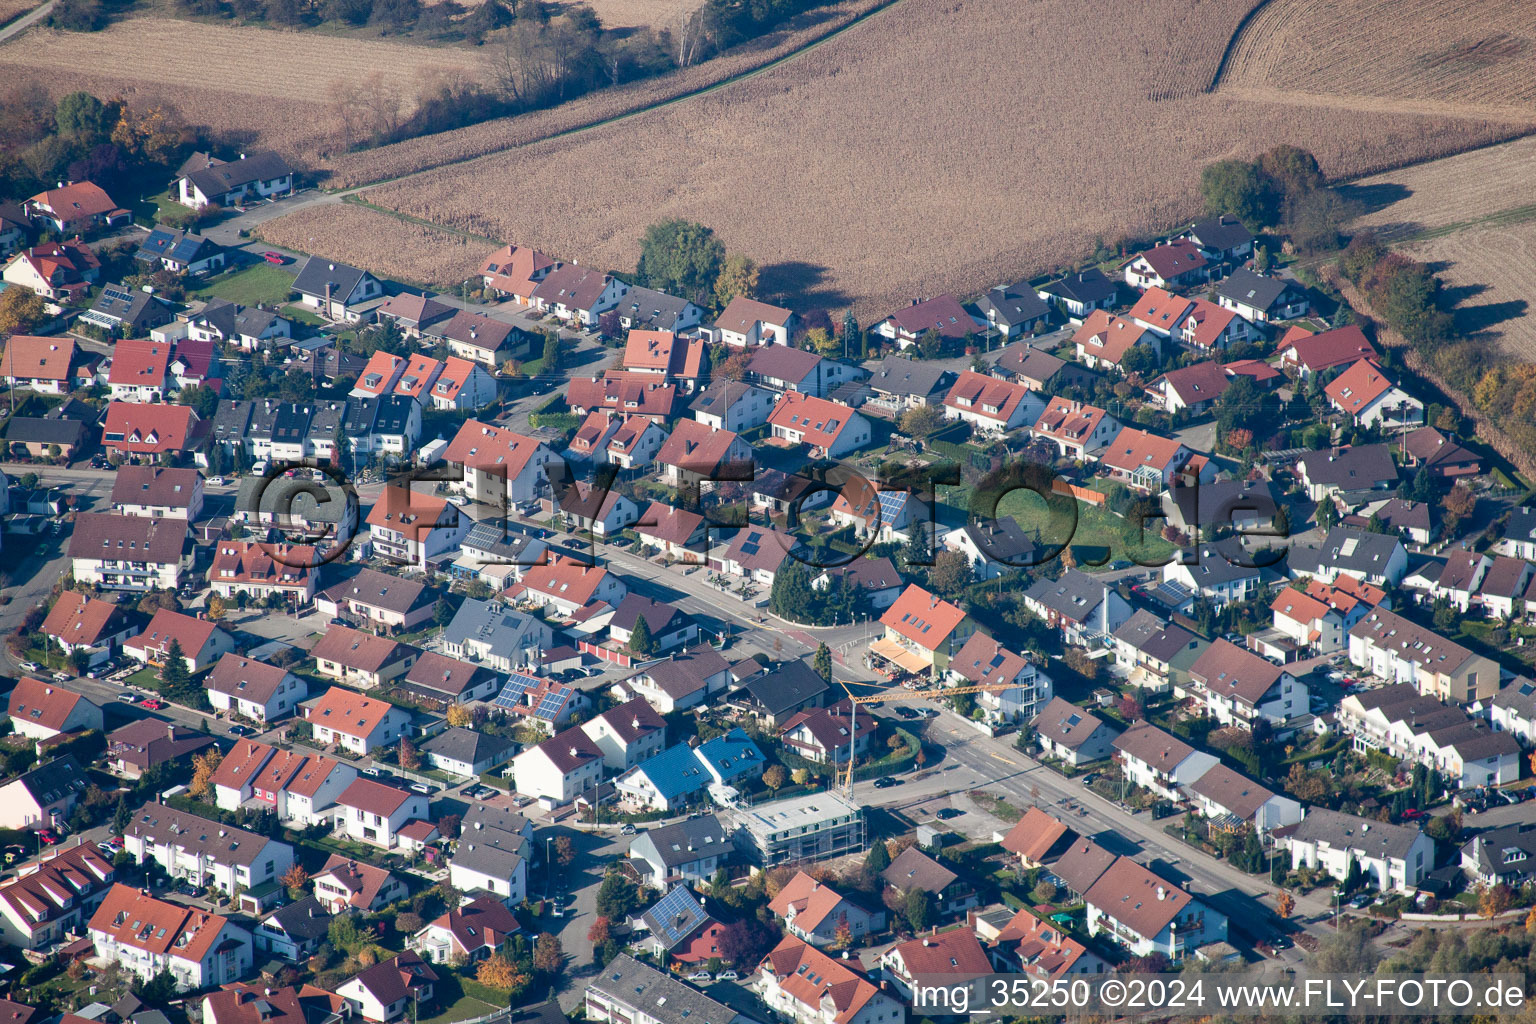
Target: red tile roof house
747, 322
674, 532
40, 710
1078, 430
411, 528
468, 933
1195, 387
152, 432
41, 364
500, 465
1171, 265
829, 430
47, 903
627, 734
75, 208
625, 394
88, 623
479, 339
343, 883
516, 270
1370, 398
158, 492
1207, 327
1307, 353
140, 371
262, 570
361, 659
147, 936
1160, 311
635, 444
251, 689
1104, 339
681, 682
985, 662
373, 812
815, 912
55, 270
356, 723
569, 585
941, 314
259, 1004
1145, 461
1148, 914
954, 956
921, 631
803, 984
1238, 687
823, 734
663, 354
1037, 949
391, 989
991, 405
202, 642
559, 769
579, 294
696, 454
1039, 839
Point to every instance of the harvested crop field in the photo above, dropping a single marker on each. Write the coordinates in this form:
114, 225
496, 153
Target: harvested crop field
385, 245
1477, 57
641, 13
891, 162
10, 10
1492, 273
1463, 189
414, 155
273, 84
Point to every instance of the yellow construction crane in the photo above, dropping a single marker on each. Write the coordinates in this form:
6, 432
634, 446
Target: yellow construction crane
844, 778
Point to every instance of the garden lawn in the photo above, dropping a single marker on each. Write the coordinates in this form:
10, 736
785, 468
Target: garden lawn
260, 282
465, 1008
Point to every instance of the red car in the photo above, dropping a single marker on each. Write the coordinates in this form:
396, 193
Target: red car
48, 837
152, 703
275, 258
1413, 813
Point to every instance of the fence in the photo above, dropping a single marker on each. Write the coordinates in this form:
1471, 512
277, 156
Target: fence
1084, 494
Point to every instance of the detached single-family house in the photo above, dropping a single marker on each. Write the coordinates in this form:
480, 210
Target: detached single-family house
1147, 914
363, 660
375, 812
1014, 310
1082, 606
41, 364
1104, 339
41, 710
560, 768
1369, 398
829, 430
1079, 431
816, 913
1391, 858
942, 315
1073, 734
1239, 688
1156, 760
1175, 264
254, 690
1225, 796
747, 322
356, 723
1260, 299
205, 180
577, 293
1306, 353
76, 207
335, 290
1077, 295
390, 989
991, 405
202, 641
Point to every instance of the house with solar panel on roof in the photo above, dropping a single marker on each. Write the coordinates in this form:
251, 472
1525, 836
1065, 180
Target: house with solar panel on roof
884, 515
545, 704
681, 929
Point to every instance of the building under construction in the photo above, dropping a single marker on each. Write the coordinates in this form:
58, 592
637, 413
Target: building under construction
803, 828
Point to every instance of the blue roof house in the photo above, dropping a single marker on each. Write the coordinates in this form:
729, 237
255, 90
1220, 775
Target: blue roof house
664, 782
730, 757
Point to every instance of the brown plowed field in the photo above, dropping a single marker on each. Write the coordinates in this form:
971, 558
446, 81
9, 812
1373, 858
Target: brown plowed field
385, 245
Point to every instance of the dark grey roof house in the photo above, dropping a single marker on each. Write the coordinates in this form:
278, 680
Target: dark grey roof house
1014, 309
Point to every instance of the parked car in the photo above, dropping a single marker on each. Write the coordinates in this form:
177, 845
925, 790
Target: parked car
422, 788
949, 812
127, 698
372, 770
107, 848
275, 258
216, 481
727, 976
31, 666
627, 830
886, 782
239, 730
47, 837
703, 977
151, 703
